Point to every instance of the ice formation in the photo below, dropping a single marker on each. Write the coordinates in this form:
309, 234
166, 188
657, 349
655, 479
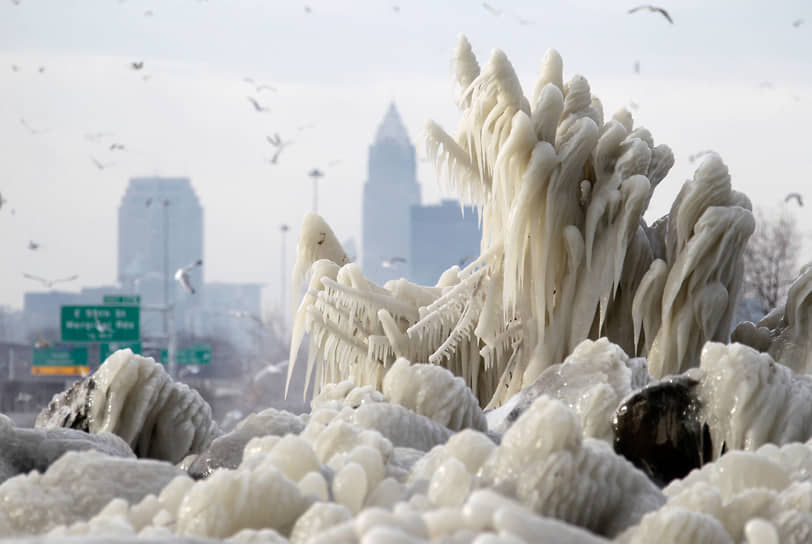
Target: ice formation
24, 450
580, 326
566, 255
133, 397
786, 332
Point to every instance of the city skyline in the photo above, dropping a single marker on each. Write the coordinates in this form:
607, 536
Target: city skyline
743, 88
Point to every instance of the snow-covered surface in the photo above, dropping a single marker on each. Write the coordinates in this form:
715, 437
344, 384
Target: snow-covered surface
568, 324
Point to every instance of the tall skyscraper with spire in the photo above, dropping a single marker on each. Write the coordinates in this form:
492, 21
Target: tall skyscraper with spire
160, 229
390, 191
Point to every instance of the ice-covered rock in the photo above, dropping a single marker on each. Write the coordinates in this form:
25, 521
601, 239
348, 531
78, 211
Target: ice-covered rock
737, 399
23, 450
75, 488
226, 451
133, 397
591, 381
545, 463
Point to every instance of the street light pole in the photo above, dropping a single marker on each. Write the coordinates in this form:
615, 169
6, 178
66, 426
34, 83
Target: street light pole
166, 263
283, 289
315, 174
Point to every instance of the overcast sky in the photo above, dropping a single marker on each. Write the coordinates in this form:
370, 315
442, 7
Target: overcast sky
735, 77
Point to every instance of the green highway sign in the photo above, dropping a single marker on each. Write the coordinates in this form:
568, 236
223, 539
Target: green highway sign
100, 323
122, 299
60, 360
108, 348
61, 355
199, 354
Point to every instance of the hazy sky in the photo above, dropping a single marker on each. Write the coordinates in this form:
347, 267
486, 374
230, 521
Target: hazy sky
735, 77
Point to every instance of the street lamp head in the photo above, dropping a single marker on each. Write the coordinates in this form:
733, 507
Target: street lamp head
315, 173
284, 227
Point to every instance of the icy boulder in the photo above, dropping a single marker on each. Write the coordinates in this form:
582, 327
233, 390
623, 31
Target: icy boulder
591, 381
738, 399
75, 488
133, 397
227, 450
24, 450
546, 464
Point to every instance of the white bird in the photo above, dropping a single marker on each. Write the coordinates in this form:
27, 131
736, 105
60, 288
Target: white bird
491, 9
137, 65
655, 9
31, 129
2, 201
242, 313
100, 165
796, 196
182, 275
50, 283
257, 106
275, 369
391, 263
797, 22
259, 87
32, 245
695, 156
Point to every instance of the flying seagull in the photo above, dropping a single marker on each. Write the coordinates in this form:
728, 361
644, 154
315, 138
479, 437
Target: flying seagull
259, 87
101, 165
391, 263
655, 9
2, 201
50, 283
491, 9
182, 275
137, 65
31, 129
257, 106
797, 22
796, 196
695, 156
117, 146
32, 245
279, 144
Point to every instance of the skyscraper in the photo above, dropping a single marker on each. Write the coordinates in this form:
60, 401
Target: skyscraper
389, 192
160, 229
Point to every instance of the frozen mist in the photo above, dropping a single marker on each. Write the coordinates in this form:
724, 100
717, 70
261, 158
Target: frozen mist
575, 383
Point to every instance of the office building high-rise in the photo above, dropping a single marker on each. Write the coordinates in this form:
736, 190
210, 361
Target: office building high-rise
389, 192
160, 229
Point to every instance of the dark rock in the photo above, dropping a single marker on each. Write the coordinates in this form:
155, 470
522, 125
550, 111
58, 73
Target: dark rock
659, 429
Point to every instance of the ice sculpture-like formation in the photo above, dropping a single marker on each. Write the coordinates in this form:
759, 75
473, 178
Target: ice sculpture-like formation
133, 397
786, 332
561, 191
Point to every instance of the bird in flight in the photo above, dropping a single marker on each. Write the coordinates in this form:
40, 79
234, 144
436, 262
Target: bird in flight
308, 10
491, 9
31, 129
182, 275
637, 67
796, 196
257, 106
259, 87
797, 22
137, 65
117, 147
392, 262
2, 201
655, 9
50, 283
100, 165
32, 245
279, 144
